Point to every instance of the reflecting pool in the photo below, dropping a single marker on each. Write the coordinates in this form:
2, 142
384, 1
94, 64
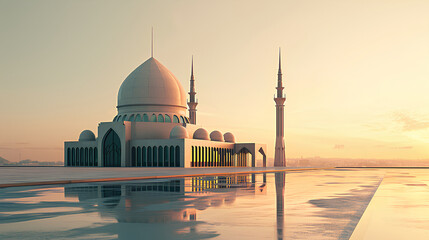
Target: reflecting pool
316, 204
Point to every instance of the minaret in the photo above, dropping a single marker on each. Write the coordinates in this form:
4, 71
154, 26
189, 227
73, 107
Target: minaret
192, 102
279, 156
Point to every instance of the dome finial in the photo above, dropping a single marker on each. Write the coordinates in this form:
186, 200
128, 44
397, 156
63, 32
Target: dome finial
151, 45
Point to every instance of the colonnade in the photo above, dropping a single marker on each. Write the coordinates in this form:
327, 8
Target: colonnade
212, 157
155, 156
85, 157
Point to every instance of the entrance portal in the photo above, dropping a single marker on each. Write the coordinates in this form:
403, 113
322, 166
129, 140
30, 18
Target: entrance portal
111, 150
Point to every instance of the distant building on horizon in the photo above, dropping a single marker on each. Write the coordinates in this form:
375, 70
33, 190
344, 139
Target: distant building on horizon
151, 129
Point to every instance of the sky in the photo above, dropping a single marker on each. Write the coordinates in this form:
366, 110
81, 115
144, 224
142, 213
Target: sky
356, 73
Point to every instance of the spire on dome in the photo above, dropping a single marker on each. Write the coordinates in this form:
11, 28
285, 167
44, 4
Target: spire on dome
151, 45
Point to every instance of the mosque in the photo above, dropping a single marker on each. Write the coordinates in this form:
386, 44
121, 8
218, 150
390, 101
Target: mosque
152, 129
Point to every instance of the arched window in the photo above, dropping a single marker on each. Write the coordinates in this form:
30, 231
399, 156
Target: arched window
160, 118
144, 157
167, 118
91, 157
82, 156
153, 118
119, 118
166, 163
149, 156
192, 156
133, 157
175, 119
203, 159
145, 118
73, 158
77, 157
182, 120
207, 154
139, 157
171, 156
114, 119
160, 157
124, 118
86, 157
212, 163
131, 118
218, 157
95, 157
68, 162
138, 118
111, 149
155, 156
177, 158
187, 120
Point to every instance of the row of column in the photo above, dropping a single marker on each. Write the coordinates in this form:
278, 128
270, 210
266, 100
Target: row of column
82, 157
157, 156
212, 157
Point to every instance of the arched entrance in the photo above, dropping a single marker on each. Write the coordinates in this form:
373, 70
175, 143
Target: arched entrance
111, 149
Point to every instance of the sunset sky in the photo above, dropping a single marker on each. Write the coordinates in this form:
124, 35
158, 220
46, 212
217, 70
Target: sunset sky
356, 72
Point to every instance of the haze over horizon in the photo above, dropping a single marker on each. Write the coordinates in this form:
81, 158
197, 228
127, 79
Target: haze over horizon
356, 73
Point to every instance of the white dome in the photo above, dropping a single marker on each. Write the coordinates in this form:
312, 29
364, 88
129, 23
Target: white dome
229, 137
151, 86
202, 134
179, 132
216, 136
86, 135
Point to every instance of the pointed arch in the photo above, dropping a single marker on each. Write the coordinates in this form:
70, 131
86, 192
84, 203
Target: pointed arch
153, 118
167, 118
175, 119
138, 118
131, 118
145, 118
160, 118
111, 149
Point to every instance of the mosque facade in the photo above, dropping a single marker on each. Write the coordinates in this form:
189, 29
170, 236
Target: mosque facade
155, 128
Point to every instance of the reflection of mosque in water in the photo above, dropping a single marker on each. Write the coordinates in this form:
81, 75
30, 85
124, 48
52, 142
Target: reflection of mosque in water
170, 205
280, 178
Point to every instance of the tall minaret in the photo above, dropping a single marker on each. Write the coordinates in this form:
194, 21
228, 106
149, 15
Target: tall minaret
192, 102
279, 156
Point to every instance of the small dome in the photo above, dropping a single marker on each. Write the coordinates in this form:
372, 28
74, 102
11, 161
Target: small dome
229, 137
216, 136
202, 134
86, 135
179, 132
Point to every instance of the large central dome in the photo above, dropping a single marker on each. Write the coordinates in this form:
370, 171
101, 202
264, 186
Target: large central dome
151, 87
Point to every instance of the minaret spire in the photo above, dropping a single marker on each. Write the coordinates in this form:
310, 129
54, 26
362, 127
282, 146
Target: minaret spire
192, 67
280, 61
280, 156
192, 101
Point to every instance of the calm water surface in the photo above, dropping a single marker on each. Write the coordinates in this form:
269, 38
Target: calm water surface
319, 204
